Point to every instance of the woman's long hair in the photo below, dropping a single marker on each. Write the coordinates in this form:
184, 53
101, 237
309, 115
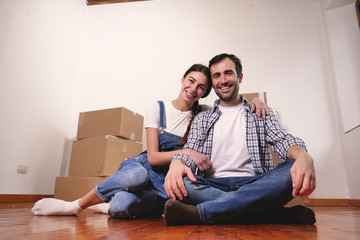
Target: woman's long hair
196, 107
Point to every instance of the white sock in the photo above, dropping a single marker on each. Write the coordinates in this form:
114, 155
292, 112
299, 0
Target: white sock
52, 206
100, 208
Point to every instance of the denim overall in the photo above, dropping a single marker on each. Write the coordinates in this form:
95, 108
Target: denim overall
136, 190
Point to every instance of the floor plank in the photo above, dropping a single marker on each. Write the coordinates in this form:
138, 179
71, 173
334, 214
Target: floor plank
17, 222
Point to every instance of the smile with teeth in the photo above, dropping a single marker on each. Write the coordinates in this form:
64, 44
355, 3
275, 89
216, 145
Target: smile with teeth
189, 94
225, 88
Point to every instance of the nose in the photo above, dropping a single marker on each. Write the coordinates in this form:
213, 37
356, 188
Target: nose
193, 88
222, 79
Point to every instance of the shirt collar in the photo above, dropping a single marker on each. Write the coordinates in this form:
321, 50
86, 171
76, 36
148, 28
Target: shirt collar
247, 105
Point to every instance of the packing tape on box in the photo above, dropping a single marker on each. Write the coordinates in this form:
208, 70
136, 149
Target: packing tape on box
132, 136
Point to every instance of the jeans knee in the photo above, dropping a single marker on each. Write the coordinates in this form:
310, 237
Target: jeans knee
137, 179
120, 205
131, 176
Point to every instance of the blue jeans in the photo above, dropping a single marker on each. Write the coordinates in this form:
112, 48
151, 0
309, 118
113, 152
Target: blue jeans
128, 192
136, 190
222, 200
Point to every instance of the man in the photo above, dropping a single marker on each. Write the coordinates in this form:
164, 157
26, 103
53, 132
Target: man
241, 185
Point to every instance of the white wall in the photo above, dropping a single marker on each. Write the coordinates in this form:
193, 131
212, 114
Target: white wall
40, 45
344, 39
344, 36
132, 54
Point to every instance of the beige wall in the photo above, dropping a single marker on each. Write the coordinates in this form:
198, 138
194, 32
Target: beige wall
60, 58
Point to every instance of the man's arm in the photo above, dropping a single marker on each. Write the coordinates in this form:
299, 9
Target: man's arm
302, 171
290, 147
182, 165
278, 138
174, 184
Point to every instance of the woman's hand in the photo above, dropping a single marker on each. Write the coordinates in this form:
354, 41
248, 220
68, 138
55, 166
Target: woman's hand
201, 160
260, 107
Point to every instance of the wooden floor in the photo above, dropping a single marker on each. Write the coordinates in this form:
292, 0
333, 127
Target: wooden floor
17, 222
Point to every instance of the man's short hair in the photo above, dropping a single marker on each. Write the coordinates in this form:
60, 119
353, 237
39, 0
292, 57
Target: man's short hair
232, 57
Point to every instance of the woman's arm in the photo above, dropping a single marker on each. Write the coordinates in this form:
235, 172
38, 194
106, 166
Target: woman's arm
156, 158
260, 107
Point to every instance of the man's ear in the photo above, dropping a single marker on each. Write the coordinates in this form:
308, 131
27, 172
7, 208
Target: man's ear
240, 77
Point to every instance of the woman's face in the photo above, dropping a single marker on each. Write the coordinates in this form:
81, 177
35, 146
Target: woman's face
194, 85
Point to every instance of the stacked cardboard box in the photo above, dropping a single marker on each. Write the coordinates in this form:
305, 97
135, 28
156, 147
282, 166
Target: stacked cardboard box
105, 138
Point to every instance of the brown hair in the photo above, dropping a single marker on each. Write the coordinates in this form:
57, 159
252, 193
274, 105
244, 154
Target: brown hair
196, 108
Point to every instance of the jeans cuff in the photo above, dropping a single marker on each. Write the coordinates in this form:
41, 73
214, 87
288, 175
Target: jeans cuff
201, 213
99, 194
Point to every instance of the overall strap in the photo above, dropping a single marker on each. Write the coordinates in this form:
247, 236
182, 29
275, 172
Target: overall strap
162, 114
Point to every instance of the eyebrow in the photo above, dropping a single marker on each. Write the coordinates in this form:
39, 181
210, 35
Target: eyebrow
196, 81
228, 71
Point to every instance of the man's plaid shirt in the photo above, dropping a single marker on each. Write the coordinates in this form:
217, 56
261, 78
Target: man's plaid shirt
259, 133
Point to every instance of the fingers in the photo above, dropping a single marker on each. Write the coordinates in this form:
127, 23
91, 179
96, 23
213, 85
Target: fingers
171, 188
293, 178
179, 188
260, 112
261, 109
174, 184
202, 161
204, 165
308, 185
168, 188
303, 184
265, 111
201, 166
190, 175
253, 108
297, 181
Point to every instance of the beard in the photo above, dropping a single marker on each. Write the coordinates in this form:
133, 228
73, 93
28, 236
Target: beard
230, 96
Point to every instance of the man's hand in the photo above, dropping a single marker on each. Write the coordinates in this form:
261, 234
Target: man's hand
303, 174
260, 107
201, 160
174, 184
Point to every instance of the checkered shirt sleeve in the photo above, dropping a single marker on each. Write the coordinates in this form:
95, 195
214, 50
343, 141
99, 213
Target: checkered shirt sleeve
260, 133
199, 139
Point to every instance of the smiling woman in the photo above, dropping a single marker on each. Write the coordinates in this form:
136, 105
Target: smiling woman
97, 2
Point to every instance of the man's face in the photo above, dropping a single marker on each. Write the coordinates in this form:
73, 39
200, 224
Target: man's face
225, 80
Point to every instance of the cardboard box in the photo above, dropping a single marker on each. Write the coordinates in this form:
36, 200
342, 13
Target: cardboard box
72, 188
249, 96
120, 122
100, 156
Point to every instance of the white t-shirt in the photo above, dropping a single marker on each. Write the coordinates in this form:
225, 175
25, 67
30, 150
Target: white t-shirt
230, 156
176, 121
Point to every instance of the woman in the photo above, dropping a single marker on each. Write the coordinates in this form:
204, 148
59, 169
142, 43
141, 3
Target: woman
136, 189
